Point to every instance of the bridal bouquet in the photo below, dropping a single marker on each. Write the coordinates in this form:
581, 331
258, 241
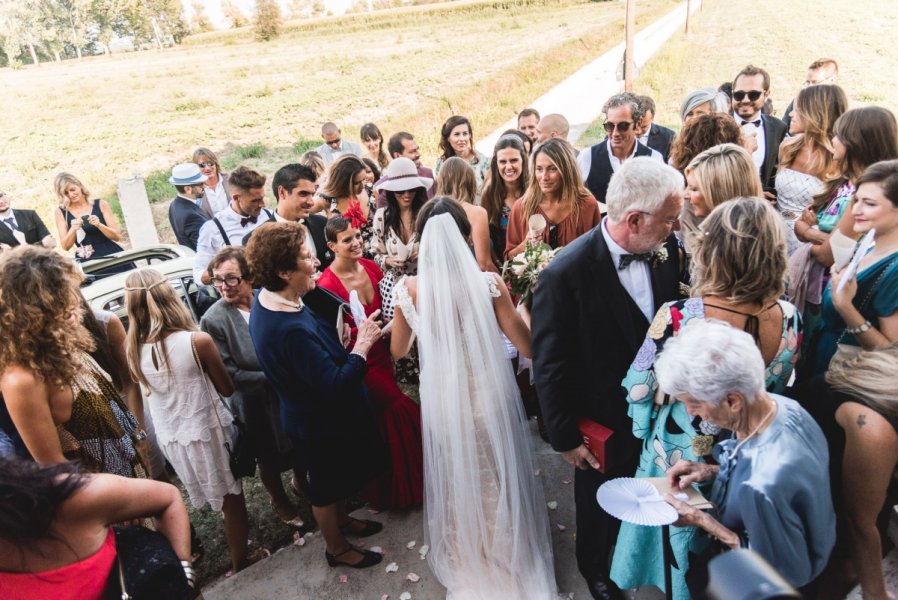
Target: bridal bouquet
522, 271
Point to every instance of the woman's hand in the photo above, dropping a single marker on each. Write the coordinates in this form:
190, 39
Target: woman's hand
394, 262
809, 216
693, 517
94, 220
687, 472
368, 333
76, 224
842, 300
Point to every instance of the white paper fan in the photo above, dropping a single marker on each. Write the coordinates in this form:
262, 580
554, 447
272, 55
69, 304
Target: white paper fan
635, 501
355, 306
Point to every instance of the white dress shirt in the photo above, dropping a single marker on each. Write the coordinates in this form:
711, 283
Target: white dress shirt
310, 243
584, 159
636, 278
217, 197
210, 240
760, 152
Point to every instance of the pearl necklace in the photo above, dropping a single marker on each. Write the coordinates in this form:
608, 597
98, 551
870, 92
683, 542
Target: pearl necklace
278, 299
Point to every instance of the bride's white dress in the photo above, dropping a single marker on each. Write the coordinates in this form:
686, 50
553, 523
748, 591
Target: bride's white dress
484, 510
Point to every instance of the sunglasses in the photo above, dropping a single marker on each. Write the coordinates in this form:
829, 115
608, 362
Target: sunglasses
334, 143
623, 126
553, 235
203, 165
752, 95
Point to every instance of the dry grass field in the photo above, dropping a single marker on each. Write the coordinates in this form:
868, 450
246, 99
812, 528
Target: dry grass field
410, 68
782, 37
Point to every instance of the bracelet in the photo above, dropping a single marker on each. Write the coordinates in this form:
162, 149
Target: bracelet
865, 326
139, 435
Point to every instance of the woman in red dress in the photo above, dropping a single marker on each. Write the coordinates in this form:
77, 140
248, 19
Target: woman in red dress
399, 418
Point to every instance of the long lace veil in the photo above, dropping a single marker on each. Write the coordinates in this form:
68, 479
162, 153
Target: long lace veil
484, 507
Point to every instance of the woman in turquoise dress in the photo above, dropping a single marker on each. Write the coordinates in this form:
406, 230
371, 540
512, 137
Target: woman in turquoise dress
738, 272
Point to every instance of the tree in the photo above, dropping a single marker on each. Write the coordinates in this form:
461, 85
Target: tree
233, 14
199, 22
21, 28
111, 18
268, 20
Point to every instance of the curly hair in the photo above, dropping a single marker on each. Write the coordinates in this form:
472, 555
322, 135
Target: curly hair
272, 249
701, 133
741, 255
819, 107
154, 311
40, 314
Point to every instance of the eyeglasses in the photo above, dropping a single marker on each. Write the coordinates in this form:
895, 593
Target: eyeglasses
667, 220
203, 165
230, 281
553, 235
752, 95
623, 126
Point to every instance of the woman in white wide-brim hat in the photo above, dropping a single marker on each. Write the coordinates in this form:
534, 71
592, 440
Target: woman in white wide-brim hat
394, 243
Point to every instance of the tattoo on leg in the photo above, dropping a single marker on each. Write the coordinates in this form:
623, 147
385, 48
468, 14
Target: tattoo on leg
861, 420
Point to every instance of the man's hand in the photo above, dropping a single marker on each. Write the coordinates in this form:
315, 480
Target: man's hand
581, 458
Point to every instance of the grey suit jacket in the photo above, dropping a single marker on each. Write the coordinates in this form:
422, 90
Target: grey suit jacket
254, 400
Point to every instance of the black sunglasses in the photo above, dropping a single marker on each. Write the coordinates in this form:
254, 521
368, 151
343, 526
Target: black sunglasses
203, 165
622, 126
553, 235
752, 95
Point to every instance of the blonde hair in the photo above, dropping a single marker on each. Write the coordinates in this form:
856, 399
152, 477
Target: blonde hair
457, 180
62, 181
867, 375
724, 172
38, 296
819, 106
573, 192
154, 311
740, 255
314, 161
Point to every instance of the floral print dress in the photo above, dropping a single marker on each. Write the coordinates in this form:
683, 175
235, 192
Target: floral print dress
668, 432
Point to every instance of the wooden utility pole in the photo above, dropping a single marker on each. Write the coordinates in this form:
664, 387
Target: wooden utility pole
629, 62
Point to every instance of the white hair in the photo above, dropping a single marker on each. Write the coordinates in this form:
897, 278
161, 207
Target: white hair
719, 101
641, 184
708, 360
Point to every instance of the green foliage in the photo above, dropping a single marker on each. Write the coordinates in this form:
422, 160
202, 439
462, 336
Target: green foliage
158, 187
268, 20
192, 105
303, 145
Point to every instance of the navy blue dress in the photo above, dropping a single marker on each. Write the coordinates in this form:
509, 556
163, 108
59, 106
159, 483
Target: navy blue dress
102, 245
323, 400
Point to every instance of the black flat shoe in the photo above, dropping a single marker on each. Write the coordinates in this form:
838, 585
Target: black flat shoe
371, 527
369, 558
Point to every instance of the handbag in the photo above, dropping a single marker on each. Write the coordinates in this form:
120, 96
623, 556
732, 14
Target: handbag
240, 452
147, 567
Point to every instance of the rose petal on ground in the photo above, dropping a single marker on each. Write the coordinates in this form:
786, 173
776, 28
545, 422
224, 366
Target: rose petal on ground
411, 544
536, 472
405, 596
377, 549
392, 567
566, 481
414, 578
298, 540
423, 551
385, 597
561, 527
344, 578
552, 505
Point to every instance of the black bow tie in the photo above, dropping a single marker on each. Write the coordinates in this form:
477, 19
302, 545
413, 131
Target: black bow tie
626, 259
246, 220
755, 123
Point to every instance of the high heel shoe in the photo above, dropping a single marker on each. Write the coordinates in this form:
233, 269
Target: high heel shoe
369, 558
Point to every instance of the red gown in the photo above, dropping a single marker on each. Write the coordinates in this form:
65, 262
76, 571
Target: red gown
399, 418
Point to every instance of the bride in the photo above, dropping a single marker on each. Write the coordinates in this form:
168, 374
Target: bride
483, 505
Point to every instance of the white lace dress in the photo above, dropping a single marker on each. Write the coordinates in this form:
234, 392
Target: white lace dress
794, 192
494, 542
181, 400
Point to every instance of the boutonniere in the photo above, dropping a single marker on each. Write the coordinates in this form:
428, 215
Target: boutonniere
659, 257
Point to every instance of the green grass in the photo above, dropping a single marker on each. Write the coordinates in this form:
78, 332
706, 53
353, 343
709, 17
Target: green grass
406, 68
859, 34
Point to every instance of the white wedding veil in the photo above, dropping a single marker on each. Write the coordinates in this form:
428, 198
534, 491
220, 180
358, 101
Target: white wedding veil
484, 508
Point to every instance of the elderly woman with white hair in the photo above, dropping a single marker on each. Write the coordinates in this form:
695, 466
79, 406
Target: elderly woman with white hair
704, 101
771, 483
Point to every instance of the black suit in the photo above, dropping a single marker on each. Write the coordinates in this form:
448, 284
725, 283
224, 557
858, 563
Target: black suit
28, 223
186, 219
315, 224
660, 139
586, 333
774, 132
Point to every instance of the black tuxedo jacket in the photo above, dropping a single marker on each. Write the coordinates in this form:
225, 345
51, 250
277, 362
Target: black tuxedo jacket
586, 333
186, 219
316, 224
28, 223
774, 132
660, 139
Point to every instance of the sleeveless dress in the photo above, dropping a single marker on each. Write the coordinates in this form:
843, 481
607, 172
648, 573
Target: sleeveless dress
668, 432
398, 417
794, 192
98, 434
93, 237
192, 423
477, 555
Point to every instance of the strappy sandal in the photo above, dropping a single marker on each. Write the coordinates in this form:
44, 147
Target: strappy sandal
369, 559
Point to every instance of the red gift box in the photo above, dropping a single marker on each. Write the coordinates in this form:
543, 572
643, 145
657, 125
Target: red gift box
597, 439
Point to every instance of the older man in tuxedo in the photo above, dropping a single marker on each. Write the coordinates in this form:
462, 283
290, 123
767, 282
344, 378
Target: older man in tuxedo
21, 226
591, 310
